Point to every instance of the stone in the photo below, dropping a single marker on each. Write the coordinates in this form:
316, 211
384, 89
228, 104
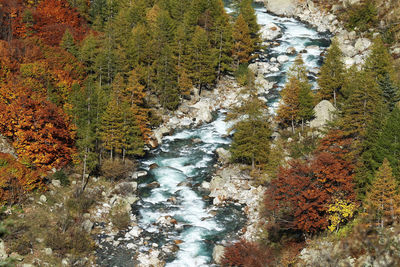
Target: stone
6, 148
270, 32
291, 51
324, 112
282, 59
196, 140
27, 265
281, 7
65, 262
3, 253
48, 251
43, 198
139, 174
154, 166
362, 44
348, 62
218, 253
134, 232
348, 50
56, 183
224, 155
87, 225
130, 246
203, 111
126, 188
205, 185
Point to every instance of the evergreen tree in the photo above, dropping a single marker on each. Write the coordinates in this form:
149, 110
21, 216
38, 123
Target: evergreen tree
296, 97
331, 77
388, 144
383, 199
201, 61
390, 92
364, 107
249, 16
251, 140
379, 61
242, 47
68, 43
132, 139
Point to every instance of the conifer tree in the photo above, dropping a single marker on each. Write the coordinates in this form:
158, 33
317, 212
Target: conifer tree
68, 43
390, 92
331, 77
242, 47
247, 11
364, 106
379, 61
201, 58
297, 99
383, 199
251, 140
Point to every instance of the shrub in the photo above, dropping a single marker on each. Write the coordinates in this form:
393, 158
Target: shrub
362, 16
116, 169
120, 217
241, 74
62, 177
246, 254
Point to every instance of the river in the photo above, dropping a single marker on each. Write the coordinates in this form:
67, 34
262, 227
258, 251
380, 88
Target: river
172, 190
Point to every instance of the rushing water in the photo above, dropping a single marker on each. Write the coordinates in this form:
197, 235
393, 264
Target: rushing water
186, 159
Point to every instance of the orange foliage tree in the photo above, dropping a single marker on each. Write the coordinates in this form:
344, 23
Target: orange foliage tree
38, 129
300, 196
16, 179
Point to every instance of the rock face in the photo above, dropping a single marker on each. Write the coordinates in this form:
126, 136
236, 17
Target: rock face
3, 254
281, 7
5, 147
218, 253
223, 155
324, 112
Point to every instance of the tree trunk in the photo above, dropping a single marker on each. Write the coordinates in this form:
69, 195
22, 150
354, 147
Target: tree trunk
292, 124
334, 97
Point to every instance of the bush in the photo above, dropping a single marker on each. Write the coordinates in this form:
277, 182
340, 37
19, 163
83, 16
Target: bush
116, 169
241, 74
246, 254
362, 16
120, 217
62, 177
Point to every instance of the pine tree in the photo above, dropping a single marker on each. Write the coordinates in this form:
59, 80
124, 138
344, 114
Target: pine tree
379, 61
388, 144
390, 92
296, 97
242, 47
247, 11
132, 139
364, 106
331, 77
383, 199
201, 61
68, 43
251, 140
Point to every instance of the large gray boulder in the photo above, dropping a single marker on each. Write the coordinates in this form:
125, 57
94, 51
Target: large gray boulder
270, 32
281, 7
324, 112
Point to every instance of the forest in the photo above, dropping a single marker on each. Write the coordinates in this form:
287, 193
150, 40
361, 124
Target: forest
83, 85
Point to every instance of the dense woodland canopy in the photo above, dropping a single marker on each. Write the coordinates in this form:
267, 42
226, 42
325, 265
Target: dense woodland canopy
82, 81
82, 84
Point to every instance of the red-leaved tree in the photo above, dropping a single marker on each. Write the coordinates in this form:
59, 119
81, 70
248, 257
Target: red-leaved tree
299, 198
246, 254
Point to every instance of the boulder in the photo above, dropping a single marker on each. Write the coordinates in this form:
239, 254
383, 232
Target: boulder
270, 32
43, 198
139, 174
6, 148
362, 44
203, 111
348, 62
281, 7
282, 59
223, 155
87, 225
218, 253
134, 232
56, 183
126, 188
48, 251
291, 51
3, 253
324, 112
